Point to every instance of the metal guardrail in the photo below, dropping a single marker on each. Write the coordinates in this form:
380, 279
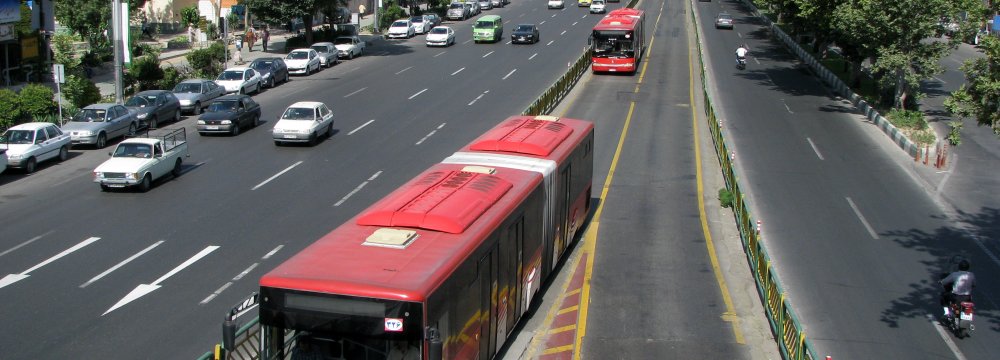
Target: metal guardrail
787, 329
551, 97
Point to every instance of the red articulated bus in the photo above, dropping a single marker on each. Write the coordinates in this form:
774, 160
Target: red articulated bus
443, 267
617, 41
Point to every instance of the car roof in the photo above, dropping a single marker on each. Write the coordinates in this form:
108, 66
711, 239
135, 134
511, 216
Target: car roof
325, 43
231, 97
301, 50
237, 68
269, 58
100, 106
194, 81
306, 104
31, 126
490, 17
151, 92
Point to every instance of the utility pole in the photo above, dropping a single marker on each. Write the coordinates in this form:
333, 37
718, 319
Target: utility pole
116, 29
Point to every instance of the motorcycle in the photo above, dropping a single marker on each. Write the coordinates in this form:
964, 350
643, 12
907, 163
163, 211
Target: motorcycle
741, 62
959, 317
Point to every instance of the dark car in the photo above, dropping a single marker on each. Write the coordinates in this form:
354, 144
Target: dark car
272, 70
524, 33
229, 115
154, 106
724, 21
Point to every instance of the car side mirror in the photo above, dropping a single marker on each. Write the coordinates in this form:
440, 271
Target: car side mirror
109, 153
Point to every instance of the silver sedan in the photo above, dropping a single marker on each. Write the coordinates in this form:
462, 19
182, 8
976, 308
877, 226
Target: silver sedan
195, 94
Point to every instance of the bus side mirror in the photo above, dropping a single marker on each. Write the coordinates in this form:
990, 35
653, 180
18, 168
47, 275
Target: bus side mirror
590, 40
229, 334
436, 350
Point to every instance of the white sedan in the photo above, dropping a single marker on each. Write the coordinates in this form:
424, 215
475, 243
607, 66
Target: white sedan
28, 144
440, 36
302, 61
401, 29
242, 80
304, 121
556, 4
327, 53
349, 46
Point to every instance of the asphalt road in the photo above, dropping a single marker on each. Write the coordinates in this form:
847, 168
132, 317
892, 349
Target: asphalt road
243, 205
853, 232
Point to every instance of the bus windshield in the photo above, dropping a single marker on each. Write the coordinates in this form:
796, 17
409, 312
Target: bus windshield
613, 44
340, 327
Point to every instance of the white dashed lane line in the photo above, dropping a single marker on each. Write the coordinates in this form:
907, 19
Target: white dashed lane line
509, 74
358, 188
478, 97
359, 127
119, 265
430, 134
355, 92
457, 71
276, 175
488, 54
418, 93
401, 71
550, 42
533, 56
440, 53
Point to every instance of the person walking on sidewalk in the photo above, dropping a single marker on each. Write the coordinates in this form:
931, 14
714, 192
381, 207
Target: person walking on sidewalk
264, 36
251, 37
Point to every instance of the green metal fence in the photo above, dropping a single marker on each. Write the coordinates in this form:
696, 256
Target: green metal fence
787, 329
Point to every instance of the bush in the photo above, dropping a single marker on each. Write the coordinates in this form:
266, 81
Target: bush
171, 76
37, 101
80, 91
207, 62
147, 72
725, 198
907, 119
10, 110
391, 13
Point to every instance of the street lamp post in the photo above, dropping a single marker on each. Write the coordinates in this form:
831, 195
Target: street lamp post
116, 35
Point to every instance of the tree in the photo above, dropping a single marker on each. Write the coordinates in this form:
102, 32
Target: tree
979, 97
90, 18
10, 108
283, 11
37, 101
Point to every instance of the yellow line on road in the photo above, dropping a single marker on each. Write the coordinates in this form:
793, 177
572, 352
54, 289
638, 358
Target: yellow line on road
557, 349
569, 309
562, 329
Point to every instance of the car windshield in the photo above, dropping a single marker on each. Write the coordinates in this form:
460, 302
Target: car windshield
343, 41
725, 17
90, 115
319, 48
399, 24
484, 24
140, 101
223, 105
261, 65
231, 75
297, 55
133, 150
298, 114
439, 31
523, 28
417, 19
457, 6
18, 136
187, 88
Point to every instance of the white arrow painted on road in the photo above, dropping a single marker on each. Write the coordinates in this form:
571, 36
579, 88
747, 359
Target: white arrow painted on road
144, 289
13, 278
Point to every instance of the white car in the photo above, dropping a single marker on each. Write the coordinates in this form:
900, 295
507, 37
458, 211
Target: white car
302, 61
304, 121
597, 7
441, 36
402, 28
242, 80
28, 144
3, 160
327, 53
420, 24
557, 4
349, 46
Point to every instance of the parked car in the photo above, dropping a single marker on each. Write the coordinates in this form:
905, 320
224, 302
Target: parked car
272, 70
401, 29
304, 121
229, 115
476, 9
458, 11
434, 18
302, 61
485, 4
240, 80
327, 53
3, 160
154, 106
597, 7
195, 94
28, 144
95, 124
557, 4
524, 33
498, 3
724, 20
441, 36
349, 46
420, 24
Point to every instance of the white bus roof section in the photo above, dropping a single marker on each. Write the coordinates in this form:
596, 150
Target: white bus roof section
542, 166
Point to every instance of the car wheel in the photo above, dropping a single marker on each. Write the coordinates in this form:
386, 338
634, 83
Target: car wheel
277, 143
256, 121
63, 153
176, 171
147, 182
197, 108
177, 115
329, 131
350, 56
29, 167
234, 129
102, 139
131, 129
153, 123
312, 139
243, 91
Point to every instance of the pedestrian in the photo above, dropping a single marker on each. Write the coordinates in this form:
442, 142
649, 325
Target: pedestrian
145, 27
251, 37
361, 9
265, 35
191, 33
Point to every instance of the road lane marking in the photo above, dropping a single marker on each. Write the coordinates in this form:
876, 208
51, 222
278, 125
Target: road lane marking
430, 134
816, 149
466, 41
509, 74
553, 15
13, 278
272, 252
562, 33
758, 63
550, 42
144, 289
938, 79
533, 56
359, 127
585, 16
543, 21
25, 243
507, 22
401, 71
947, 339
508, 43
522, 15
216, 293
245, 272
457, 71
440, 53
356, 189
488, 54
478, 97
418, 93
574, 23
786, 106
355, 92
276, 175
864, 221
119, 265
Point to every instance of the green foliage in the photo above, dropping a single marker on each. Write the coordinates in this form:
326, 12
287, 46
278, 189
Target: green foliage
955, 135
10, 109
80, 91
146, 71
171, 76
190, 16
979, 97
907, 119
37, 101
390, 13
725, 198
207, 62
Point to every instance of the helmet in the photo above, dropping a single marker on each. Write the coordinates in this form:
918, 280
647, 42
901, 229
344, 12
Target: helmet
963, 265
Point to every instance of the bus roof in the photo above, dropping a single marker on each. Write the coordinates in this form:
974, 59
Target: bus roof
532, 136
625, 12
616, 23
419, 246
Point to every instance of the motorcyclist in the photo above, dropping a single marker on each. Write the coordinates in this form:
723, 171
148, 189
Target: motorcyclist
958, 286
741, 53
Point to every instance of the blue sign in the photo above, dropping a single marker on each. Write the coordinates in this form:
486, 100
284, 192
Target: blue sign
996, 22
10, 11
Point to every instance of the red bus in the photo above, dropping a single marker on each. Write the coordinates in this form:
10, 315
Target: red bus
617, 41
443, 267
